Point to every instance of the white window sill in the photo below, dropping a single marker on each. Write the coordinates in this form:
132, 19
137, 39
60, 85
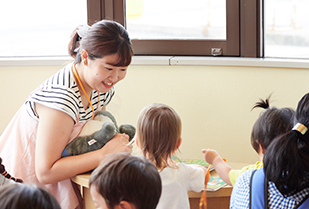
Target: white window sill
34, 61
168, 60
220, 61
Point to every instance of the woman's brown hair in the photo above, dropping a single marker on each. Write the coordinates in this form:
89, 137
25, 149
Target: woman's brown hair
103, 38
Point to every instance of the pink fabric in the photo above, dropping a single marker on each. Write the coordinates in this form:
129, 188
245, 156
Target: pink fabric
17, 149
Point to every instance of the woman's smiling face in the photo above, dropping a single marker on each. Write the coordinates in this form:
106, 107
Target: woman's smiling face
101, 75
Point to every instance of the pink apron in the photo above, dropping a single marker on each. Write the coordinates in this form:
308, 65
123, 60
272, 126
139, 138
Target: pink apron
17, 149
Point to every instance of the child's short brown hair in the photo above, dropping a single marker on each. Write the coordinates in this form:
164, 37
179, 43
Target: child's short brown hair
158, 133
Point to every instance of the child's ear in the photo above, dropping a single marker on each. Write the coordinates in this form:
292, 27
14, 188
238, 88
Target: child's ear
261, 148
136, 142
179, 143
125, 205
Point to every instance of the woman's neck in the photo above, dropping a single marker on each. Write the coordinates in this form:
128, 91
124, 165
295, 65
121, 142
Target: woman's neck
80, 81
80, 71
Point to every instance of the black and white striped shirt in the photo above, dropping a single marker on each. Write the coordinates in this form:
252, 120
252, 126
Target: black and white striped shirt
61, 92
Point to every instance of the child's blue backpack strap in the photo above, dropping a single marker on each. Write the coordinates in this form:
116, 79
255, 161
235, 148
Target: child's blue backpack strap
260, 190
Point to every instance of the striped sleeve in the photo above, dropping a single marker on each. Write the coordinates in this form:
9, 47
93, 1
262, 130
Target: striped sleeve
59, 92
59, 98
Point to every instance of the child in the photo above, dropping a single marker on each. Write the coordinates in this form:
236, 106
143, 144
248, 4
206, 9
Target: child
54, 113
158, 135
271, 123
26, 196
285, 176
125, 181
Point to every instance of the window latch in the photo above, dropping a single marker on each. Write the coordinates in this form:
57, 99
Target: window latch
216, 51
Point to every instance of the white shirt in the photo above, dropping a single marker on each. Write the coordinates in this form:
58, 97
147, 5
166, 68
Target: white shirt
177, 182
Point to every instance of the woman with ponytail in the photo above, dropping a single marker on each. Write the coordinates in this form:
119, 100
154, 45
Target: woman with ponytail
284, 180
55, 112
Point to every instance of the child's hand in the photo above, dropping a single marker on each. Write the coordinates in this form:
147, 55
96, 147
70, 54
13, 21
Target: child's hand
223, 169
210, 155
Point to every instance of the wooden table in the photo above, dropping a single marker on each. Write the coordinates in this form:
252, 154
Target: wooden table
219, 199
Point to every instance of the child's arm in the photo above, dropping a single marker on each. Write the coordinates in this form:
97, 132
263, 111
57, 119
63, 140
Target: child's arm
223, 169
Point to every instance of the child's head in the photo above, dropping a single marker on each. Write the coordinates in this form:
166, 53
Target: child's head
26, 196
103, 38
158, 133
286, 160
125, 180
271, 123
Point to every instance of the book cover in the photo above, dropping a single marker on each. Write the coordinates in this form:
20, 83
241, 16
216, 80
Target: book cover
215, 183
193, 161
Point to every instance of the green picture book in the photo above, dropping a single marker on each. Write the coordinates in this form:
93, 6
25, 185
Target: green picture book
215, 183
193, 161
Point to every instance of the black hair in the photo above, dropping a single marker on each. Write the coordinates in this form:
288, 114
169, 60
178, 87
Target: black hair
286, 160
271, 123
26, 196
123, 177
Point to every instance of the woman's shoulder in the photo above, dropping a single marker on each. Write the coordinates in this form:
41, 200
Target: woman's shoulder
62, 78
57, 92
60, 85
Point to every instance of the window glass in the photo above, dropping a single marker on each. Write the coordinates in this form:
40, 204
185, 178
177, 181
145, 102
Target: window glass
176, 19
39, 28
286, 28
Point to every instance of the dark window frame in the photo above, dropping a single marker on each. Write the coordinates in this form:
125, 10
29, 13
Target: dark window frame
244, 31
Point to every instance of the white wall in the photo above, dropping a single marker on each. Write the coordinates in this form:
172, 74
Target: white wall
214, 102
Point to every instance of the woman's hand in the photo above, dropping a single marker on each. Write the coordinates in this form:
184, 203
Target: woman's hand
119, 143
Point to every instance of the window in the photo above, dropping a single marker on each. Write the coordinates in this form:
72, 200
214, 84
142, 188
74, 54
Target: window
176, 19
164, 25
254, 28
236, 28
39, 28
287, 28
228, 15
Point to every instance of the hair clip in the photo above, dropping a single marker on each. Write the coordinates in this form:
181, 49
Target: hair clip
300, 128
83, 30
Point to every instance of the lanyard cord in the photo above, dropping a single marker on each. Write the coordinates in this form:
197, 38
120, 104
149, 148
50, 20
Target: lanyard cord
81, 86
203, 200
